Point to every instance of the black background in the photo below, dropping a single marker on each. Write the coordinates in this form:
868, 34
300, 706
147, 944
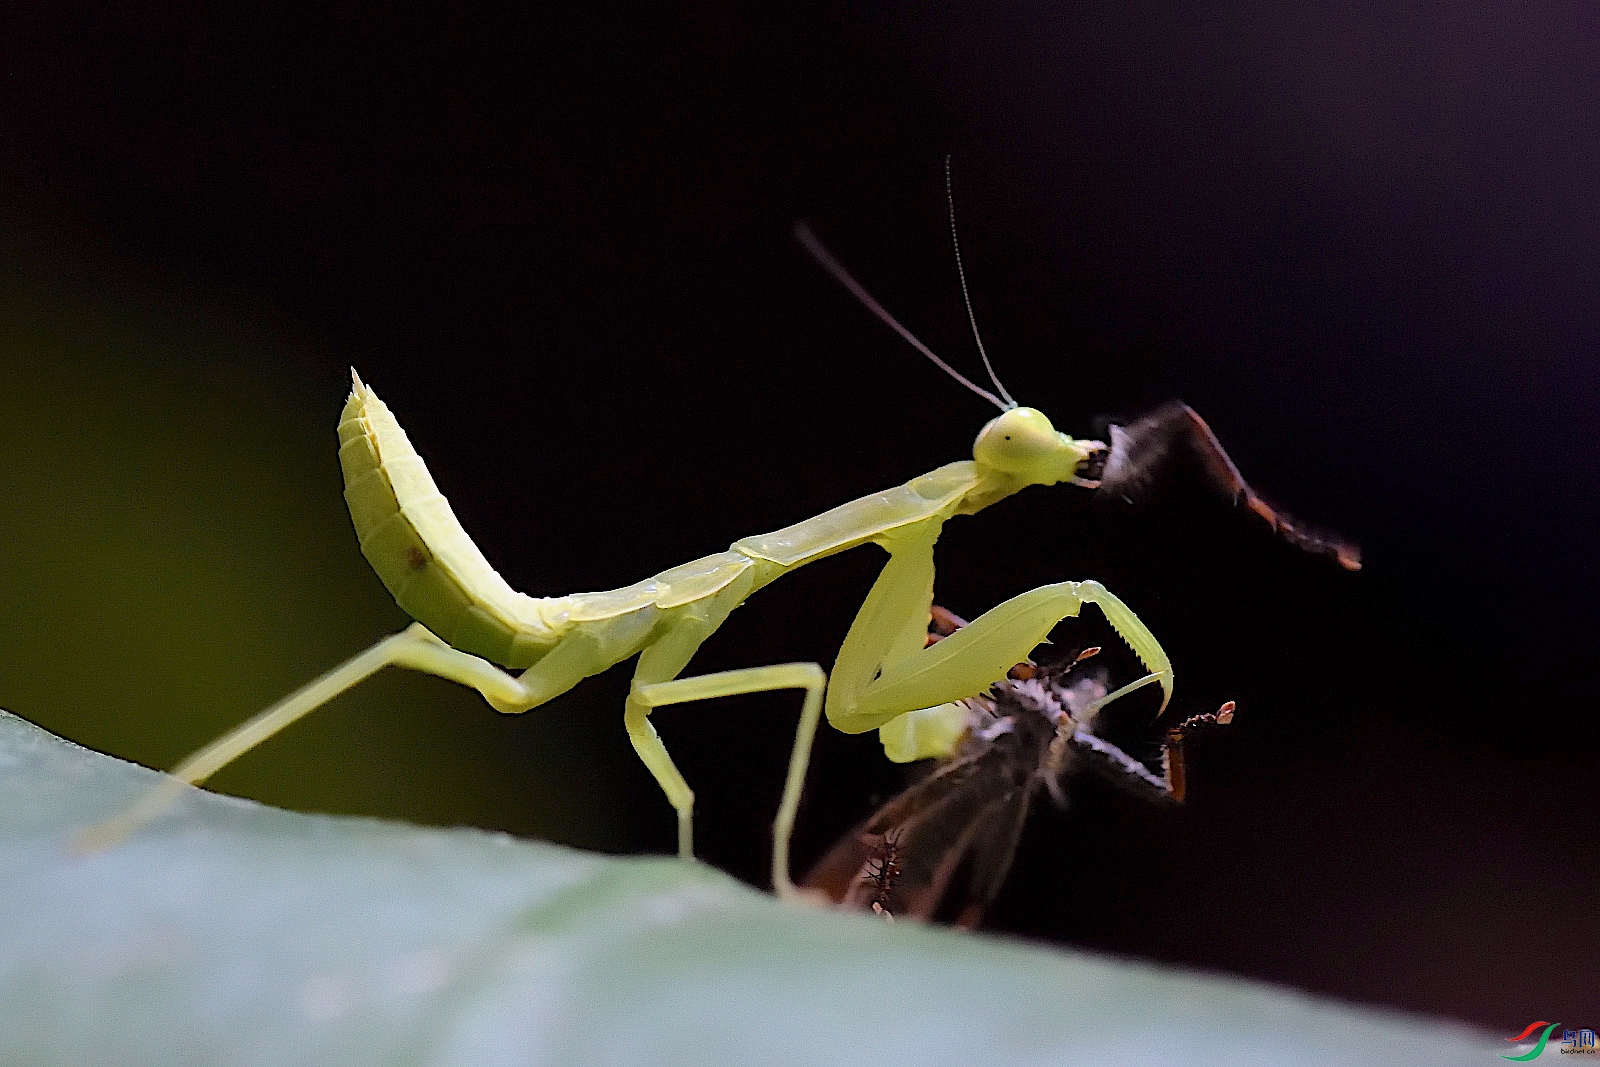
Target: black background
1362, 241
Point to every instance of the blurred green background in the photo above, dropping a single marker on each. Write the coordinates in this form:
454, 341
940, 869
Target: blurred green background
178, 556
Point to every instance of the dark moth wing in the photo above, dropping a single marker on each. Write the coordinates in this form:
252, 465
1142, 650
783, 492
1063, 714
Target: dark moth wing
982, 871
1144, 446
954, 856
948, 840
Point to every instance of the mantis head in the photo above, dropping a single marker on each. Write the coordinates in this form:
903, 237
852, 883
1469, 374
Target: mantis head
1022, 443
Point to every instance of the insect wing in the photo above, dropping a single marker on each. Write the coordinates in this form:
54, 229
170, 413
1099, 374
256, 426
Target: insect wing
950, 839
843, 870
993, 849
943, 852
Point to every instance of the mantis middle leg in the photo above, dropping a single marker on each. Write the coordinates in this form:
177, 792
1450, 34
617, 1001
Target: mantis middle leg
655, 683
807, 676
886, 668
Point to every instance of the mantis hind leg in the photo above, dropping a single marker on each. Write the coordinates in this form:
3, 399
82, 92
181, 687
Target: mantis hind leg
415, 647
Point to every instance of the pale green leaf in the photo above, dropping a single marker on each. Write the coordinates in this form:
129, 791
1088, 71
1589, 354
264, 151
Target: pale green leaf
231, 933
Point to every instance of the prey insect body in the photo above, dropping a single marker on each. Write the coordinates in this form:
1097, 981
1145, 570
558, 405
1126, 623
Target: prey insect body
953, 835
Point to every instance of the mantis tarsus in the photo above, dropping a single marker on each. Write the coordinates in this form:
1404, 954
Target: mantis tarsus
468, 619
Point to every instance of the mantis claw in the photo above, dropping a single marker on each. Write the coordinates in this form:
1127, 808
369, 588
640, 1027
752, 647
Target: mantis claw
1134, 633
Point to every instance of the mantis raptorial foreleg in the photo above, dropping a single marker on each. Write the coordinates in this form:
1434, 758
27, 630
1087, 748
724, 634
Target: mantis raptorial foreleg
887, 667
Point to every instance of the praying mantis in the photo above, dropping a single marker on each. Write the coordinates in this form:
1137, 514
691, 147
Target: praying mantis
469, 622
469, 619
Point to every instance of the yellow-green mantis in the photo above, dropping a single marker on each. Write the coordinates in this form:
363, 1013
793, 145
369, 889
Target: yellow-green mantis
468, 619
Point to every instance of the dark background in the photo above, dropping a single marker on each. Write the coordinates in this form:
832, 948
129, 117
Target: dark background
1363, 243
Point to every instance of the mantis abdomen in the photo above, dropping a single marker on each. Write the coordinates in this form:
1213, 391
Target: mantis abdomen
415, 543
435, 572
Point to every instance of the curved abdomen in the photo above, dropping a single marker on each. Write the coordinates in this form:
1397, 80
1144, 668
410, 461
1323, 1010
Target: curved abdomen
415, 543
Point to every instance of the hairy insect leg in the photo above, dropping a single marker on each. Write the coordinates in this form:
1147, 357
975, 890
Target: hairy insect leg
1173, 766
1139, 449
1130, 773
414, 647
807, 676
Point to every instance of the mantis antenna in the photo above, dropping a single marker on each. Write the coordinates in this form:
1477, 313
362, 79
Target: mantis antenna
950, 199
820, 253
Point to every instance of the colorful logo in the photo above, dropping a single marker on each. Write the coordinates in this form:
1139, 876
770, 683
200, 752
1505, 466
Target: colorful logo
1580, 1042
1538, 1048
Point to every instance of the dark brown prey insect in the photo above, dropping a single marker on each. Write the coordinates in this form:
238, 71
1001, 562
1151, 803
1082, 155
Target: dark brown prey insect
942, 848
1140, 449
